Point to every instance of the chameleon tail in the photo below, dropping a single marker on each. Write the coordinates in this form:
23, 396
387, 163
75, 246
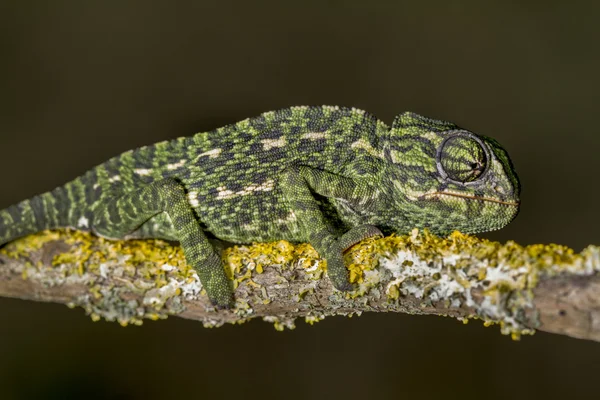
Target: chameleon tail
61, 207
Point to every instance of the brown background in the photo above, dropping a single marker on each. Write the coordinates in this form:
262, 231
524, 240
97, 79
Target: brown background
83, 81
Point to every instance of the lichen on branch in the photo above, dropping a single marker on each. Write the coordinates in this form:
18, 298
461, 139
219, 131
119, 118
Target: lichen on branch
517, 287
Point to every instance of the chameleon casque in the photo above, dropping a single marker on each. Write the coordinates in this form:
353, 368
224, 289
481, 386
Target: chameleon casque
328, 175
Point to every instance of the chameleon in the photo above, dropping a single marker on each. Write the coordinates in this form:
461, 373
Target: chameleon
327, 175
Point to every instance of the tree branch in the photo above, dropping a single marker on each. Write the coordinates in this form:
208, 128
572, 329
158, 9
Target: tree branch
545, 287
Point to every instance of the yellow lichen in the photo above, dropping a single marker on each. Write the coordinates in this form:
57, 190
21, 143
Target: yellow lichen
151, 266
313, 319
24, 246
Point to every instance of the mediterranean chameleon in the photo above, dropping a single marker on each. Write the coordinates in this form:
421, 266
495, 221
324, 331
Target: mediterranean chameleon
328, 175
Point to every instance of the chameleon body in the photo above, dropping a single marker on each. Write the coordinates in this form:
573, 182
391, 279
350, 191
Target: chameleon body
328, 175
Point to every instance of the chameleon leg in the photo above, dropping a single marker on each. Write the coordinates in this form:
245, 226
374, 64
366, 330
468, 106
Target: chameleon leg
119, 216
297, 183
358, 234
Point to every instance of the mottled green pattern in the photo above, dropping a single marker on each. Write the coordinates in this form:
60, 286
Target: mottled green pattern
327, 175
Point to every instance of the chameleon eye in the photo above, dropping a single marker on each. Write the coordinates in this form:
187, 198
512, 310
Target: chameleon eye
462, 158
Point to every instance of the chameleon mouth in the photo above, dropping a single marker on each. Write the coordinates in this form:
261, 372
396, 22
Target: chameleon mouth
466, 196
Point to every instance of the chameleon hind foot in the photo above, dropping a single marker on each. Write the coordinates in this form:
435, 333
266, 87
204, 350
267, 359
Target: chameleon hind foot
118, 216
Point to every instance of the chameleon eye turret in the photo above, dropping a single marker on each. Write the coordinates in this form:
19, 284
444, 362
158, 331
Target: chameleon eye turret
462, 157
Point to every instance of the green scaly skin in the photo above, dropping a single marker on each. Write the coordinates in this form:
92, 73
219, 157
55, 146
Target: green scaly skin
330, 176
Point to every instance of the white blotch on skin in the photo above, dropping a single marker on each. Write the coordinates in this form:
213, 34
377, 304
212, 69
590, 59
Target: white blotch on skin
291, 217
268, 144
224, 193
314, 135
142, 171
193, 198
83, 222
363, 144
211, 153
179, 164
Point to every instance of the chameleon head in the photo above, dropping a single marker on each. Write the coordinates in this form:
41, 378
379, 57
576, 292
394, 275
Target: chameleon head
445, 178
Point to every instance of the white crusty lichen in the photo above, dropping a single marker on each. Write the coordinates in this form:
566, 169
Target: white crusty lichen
495, 281
155, 271
452, 278
460, 275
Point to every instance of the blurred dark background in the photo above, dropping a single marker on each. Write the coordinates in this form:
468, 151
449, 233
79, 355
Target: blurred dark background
83, 81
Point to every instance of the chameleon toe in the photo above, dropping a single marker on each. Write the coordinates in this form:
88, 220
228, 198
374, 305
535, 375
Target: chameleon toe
224, 303
358, 234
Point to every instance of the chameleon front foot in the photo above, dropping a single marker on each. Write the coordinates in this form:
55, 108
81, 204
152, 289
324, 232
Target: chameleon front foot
218, 287
357, 235
331, 249
341, 282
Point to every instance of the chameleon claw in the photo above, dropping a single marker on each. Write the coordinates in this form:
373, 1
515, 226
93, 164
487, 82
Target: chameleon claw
221, 307
340, 280
345, 287
223, 303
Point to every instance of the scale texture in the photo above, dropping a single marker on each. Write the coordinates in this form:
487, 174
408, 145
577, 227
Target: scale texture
328, 175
